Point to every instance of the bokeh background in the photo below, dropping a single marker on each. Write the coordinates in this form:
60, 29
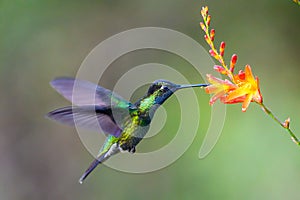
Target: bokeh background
40, 159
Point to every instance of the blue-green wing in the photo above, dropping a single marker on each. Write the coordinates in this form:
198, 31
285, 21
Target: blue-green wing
81, 92
108, 119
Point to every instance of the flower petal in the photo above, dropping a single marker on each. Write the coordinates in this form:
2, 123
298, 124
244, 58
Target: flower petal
215, 97
248, 73
239, 92
246, 102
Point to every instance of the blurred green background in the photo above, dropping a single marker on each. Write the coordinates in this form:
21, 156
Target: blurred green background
40, 40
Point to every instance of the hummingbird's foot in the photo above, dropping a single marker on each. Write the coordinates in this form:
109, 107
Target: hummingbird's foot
132, 150
127, 147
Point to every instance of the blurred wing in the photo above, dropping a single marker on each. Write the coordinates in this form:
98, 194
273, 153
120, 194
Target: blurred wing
81, 92
92, 117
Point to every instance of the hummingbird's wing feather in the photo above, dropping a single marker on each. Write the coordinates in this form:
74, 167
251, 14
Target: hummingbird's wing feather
92, 117
81, 92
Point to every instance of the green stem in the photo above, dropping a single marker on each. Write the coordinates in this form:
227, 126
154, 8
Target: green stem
287, 127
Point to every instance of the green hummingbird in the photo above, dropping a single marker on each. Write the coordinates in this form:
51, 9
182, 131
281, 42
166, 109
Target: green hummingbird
124, 123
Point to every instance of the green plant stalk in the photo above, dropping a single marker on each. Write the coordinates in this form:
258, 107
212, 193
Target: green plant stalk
287, 127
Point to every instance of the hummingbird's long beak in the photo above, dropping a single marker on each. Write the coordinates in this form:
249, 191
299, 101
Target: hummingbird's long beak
192, 85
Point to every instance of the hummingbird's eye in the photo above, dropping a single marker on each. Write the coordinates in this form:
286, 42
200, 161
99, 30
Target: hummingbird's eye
153, 88
164, 88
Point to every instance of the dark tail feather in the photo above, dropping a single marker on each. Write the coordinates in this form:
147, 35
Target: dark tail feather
92, 166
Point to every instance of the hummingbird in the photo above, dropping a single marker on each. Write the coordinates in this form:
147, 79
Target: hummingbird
124, 123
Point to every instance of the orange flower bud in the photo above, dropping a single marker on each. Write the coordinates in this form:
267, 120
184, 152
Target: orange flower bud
286, 123
204, 11
202, 26
208, 20
212, 53
212, 34
233, 62
222, 48
220, 69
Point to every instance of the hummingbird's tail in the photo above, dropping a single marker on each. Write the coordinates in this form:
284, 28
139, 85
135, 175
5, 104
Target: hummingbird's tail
92, 166
104, 155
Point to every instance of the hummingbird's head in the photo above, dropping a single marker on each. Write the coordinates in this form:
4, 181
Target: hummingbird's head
163, 89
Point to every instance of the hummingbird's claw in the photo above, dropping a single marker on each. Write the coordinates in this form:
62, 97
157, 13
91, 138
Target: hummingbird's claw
132, 150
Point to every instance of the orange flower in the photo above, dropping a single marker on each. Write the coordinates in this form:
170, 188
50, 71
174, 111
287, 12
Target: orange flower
218, 87
242, 87
248, 88
244, 90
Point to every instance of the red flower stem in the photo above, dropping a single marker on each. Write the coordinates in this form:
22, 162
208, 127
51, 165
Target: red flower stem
269, 112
